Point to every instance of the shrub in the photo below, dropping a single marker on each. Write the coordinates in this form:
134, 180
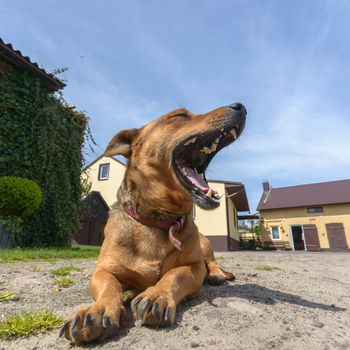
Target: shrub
18, 196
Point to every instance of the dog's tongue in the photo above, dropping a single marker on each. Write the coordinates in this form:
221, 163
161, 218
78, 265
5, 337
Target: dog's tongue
197, 180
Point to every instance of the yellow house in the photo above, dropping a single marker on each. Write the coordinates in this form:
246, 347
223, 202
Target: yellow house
220, 225
312, 217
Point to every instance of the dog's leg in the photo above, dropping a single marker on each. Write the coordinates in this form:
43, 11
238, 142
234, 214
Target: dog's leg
156, 306
101, 319
216, 275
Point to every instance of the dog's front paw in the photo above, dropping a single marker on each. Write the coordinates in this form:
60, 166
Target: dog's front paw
96, 322
153, 308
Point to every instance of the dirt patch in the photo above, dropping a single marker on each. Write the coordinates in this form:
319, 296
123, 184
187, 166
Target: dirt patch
303, 304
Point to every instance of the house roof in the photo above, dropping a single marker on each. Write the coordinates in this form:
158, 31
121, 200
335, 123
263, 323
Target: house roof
98, 158
94, 194
16, 59
316, 194
236, 192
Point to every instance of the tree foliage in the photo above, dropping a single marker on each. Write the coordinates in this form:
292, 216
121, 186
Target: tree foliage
41, 138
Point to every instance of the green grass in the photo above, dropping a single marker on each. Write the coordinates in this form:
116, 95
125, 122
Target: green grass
63, 282
268, 268
128, 295
7, 296
65, 270
53, 253
28, 323
37, 269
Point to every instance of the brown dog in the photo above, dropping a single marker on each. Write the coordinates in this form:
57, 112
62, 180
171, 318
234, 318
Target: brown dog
151, 243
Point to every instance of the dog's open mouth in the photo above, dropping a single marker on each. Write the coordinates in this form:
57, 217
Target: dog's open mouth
191, 159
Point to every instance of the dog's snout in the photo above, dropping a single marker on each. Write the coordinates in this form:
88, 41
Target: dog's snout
238, 115
238, 107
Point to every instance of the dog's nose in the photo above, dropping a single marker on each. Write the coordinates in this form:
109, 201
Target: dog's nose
238, 107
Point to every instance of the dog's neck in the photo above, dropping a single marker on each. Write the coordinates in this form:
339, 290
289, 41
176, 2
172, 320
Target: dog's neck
171, 226
151, 208
162, 224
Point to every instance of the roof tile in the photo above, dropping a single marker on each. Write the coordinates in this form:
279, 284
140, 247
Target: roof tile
316, 194
19, 60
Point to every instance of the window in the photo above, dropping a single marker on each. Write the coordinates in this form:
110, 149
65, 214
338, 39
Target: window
275, 232
103, 172
315, 210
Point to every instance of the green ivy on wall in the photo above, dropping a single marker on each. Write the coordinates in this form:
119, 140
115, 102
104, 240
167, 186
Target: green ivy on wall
41, 138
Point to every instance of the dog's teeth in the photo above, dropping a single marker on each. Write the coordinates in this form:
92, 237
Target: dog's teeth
201, 175
209, 193
212, 148
193, 140
206, 150
222, 129
218, 196
233, 133
183, 170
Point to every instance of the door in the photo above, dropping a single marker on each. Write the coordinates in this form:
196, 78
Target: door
297, 237
311, 238
336, 237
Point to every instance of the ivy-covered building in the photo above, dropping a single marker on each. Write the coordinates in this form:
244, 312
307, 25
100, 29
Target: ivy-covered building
41, 138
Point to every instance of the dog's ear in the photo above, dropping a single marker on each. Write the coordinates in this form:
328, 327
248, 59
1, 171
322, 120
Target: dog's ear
121, 143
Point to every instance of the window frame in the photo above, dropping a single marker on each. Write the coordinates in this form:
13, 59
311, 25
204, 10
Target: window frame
100, 178
279, 233
314, 210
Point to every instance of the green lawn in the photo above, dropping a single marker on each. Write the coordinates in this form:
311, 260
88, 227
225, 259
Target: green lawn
53, 253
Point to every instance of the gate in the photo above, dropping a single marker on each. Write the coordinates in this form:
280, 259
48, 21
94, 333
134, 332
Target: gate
311, 238
336, 237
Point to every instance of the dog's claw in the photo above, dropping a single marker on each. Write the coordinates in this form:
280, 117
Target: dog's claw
166, 315
87, 320
135, 302
63, 330
74, 323
106, 322
144, 307
155, 309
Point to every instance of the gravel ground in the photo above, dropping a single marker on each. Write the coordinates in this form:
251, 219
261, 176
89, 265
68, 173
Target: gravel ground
304, 305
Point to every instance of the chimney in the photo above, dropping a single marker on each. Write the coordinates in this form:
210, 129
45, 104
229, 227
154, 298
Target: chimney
266, 186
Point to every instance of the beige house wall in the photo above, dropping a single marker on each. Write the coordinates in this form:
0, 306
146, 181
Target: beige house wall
107, 188
213, 222
284, 218
232, 220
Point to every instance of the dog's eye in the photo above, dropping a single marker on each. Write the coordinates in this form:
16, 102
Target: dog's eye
182, 116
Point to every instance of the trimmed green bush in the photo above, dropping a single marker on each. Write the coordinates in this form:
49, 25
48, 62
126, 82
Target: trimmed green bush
18, 196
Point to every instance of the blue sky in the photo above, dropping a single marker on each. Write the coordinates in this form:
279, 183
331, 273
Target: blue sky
131, 61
